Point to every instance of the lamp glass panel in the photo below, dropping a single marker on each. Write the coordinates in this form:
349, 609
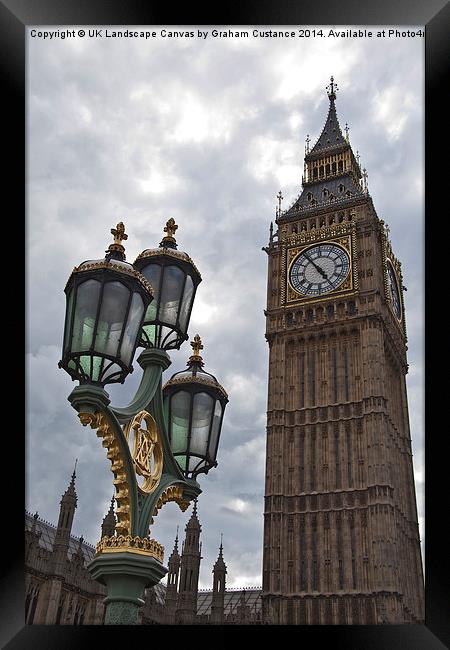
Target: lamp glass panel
181, 460
85, 363
111, 319
88, 293
179, 420
215, 429
96, 368
132, 328
172, 286
201, 418
186, 302
153, 274
113, 369
195, 463
69, 306
150, 332
168, 336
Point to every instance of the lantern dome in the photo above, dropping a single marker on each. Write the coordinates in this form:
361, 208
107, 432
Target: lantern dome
106, 301
196, 404
175, 279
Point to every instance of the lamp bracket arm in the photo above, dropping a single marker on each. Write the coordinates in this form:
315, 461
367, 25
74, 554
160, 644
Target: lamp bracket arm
151, 379
170, 488
153, 362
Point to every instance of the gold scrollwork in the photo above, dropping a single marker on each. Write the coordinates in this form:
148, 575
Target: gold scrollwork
171, 493
105, 431
127, 543
147, 452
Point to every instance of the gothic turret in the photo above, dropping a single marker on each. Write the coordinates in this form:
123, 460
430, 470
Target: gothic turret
218, 595
190, 568
109, 521
172, 581
67, 509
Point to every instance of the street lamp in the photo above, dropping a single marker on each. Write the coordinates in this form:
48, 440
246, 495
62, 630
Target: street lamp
196, 403
175, 279
113, 307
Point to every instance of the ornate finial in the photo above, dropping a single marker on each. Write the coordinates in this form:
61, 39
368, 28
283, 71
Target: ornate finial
119, 235
387, 229
307, 143
331, 89
280, 198
194, 512
33, 525
346, 131
175, 546
74, 470
357, 157
195, 358
170, 228
196, 345
365, 175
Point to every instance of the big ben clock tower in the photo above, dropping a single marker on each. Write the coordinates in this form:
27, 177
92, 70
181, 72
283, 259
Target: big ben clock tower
341, 539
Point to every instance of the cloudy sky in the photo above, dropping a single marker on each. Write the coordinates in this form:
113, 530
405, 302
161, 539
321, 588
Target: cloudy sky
206, 131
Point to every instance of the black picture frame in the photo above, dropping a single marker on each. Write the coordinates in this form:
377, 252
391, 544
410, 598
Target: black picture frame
15, 16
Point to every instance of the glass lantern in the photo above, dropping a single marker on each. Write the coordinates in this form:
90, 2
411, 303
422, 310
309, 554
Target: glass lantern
196, 404
175, 279
105, 305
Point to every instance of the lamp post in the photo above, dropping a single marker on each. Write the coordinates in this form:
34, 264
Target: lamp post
113, 307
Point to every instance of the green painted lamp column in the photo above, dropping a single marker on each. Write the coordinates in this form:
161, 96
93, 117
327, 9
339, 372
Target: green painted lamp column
125, 575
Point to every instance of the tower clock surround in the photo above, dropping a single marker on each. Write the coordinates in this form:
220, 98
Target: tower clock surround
341, 539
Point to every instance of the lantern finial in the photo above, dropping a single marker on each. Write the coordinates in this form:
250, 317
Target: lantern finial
119, 235
170, 228
196, 358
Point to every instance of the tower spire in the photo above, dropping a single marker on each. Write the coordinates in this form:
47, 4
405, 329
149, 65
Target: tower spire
331, 89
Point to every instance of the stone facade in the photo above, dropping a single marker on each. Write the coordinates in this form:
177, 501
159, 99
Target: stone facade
341, 540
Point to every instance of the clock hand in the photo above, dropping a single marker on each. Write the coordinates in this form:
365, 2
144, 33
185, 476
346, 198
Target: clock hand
320, 270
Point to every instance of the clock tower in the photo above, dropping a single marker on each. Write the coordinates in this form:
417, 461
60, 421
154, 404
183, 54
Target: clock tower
341, 539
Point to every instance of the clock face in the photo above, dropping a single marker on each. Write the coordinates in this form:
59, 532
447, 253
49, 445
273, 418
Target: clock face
319, 269
393, 290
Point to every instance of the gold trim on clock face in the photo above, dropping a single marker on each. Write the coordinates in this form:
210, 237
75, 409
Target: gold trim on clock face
319, 269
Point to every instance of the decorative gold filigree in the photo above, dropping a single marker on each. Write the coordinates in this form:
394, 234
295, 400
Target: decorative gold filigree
129, 544
105, 431
170, 228
171, 493
196, 380
147, 451
196, 345
110, 264
170, 252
